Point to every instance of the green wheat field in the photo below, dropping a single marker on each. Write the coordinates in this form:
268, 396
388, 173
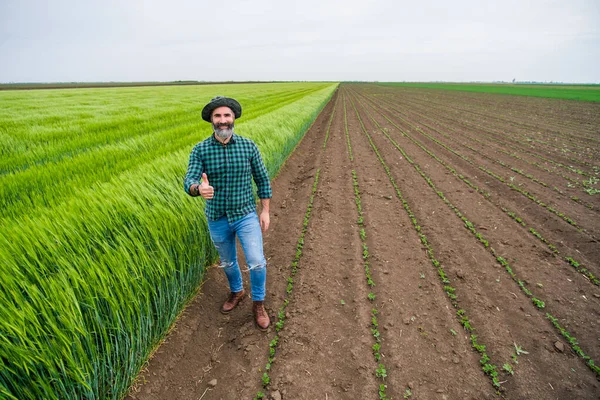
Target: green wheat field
100, 246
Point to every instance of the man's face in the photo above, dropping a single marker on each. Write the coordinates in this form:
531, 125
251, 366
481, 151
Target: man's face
222, 121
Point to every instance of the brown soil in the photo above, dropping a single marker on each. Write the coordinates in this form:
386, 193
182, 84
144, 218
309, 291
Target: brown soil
325, 347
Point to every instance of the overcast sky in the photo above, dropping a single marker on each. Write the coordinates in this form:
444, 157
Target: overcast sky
238, 40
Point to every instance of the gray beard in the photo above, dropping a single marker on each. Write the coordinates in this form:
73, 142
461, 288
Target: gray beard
223, 134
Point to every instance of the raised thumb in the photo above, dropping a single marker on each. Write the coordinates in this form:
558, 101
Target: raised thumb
204, 178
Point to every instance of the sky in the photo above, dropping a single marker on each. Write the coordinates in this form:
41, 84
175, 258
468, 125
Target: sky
308, 40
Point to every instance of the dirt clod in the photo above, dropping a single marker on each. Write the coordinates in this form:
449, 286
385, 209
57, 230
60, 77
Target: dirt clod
276, 395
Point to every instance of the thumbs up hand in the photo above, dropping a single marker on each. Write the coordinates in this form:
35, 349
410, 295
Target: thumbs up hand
206, 191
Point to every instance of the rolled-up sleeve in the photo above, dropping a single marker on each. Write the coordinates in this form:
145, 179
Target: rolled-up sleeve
194, 171
260, 175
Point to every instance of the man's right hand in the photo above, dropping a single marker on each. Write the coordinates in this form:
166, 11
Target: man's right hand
206, 191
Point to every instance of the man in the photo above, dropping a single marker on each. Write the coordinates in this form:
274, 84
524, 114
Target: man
221, 169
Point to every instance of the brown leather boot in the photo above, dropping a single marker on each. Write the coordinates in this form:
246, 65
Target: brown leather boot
234, 299
260, 315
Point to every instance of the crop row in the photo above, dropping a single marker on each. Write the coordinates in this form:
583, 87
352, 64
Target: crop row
588, 185
280, 322
569, 259
553, 248
513, 154
530, 142
294, 266
497, 117
501, 260
490, 134
527, 140
497, 177
485, 361
496, 161
380, 371
330, 122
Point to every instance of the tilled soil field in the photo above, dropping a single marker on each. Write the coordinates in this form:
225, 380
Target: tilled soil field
423, 244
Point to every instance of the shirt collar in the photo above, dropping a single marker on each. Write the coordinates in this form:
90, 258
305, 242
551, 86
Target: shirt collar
232, 140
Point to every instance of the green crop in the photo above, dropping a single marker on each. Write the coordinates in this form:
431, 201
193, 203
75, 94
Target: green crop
571, 92
100, 246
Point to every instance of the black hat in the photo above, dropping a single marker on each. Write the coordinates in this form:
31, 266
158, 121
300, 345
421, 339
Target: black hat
221, 101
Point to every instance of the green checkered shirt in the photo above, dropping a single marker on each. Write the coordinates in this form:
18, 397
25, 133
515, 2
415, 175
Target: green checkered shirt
230, 169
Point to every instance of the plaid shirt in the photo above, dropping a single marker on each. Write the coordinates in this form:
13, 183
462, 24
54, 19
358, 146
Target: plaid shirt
230, 169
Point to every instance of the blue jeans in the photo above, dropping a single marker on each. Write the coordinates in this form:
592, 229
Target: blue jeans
247, 229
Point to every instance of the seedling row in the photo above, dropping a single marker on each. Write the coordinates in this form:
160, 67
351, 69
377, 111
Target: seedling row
522, 284
552, 247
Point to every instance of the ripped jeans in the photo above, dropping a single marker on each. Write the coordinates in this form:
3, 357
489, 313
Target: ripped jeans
249, 233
